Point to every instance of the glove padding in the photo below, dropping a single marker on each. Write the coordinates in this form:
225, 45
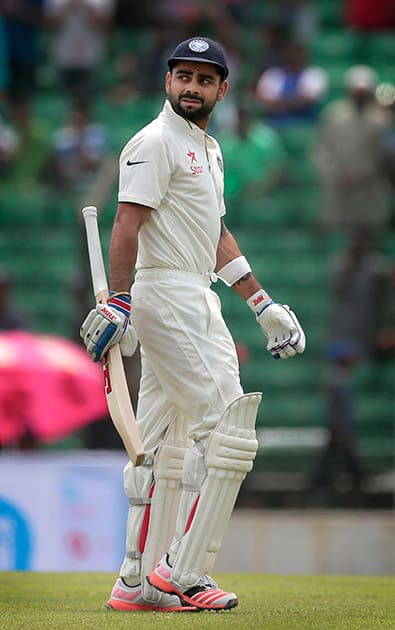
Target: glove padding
283, 331
129, 342
106, 325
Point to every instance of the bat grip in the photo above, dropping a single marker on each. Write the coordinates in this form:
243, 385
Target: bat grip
98, 272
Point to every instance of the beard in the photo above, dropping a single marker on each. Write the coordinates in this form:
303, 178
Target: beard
194, 115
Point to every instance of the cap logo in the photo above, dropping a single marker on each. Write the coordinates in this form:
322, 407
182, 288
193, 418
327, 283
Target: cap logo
198, 45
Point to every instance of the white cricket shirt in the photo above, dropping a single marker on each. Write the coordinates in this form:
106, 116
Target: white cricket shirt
174, 167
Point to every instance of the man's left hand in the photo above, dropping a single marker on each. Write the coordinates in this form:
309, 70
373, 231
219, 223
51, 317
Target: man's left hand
284, 333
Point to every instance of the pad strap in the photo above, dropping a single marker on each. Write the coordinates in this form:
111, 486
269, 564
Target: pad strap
140, 501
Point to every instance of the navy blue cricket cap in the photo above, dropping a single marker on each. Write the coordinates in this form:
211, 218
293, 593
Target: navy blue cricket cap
200, 49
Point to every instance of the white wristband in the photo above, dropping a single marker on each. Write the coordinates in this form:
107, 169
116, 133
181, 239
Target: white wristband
259, 301
234, 270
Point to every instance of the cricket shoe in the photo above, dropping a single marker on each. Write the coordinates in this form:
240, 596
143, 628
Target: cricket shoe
125, 597
205, 595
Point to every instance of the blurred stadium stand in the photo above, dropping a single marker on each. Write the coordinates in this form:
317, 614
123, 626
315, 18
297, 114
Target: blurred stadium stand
42, 240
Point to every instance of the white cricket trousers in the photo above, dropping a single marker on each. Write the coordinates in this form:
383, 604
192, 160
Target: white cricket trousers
189, 375
189, 364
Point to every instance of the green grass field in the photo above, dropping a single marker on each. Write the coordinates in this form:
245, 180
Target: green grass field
76, 600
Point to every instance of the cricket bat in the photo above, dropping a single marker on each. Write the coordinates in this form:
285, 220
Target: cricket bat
115, 384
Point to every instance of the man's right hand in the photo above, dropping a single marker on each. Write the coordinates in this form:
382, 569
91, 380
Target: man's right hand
108, 324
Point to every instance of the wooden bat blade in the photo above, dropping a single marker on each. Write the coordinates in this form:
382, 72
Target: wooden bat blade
116, 388
119, 405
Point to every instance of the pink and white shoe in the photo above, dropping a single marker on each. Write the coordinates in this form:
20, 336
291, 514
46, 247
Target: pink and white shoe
125, 597
205, 595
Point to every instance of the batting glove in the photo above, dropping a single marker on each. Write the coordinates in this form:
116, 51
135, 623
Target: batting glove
280, 325
108, 324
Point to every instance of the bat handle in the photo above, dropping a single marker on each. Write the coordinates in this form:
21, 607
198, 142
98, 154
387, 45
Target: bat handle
89, 211
98, 271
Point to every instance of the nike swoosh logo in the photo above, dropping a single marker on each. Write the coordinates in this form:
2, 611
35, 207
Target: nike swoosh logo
129, 163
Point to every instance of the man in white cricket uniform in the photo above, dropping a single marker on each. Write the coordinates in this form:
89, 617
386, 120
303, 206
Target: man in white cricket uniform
197, 425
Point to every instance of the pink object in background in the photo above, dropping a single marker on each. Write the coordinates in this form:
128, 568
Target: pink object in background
49, 387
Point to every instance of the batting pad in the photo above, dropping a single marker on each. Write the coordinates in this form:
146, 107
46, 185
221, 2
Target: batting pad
165, 500
194, 474
229, 457
137, 485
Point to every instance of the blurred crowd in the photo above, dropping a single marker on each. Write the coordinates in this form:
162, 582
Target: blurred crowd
90, 51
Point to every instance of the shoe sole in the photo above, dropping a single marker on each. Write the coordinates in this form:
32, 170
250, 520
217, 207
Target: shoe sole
162, 585
118, 605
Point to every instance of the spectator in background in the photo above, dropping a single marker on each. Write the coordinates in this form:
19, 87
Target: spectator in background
298, 17
8, 148
79, 42
273, 38
366, 16
186, 14
357, 289
365, 20
22, 23
4, 74
241, 11
386, 335
349, 154
135, 15
292, 93
254, 158
78, 150
11, 318
124, 88
152, 61
389, 143
357, 283
228, 30
33, 137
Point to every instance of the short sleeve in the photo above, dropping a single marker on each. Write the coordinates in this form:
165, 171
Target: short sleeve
144, 171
